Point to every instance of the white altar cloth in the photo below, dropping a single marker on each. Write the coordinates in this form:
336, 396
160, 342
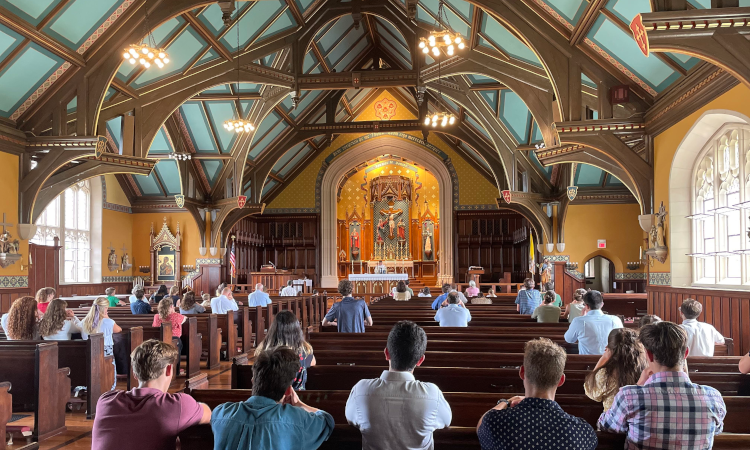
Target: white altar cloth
378, 276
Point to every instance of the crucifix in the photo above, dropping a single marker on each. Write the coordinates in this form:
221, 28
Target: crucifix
5, 224
391, 213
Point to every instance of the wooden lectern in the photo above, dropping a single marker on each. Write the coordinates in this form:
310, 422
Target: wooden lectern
474, 274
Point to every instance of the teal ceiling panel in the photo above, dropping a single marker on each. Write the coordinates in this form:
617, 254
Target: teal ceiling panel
300, 156
114, 127
400, 58
571, 10
503, 39
625, 10
262, 144
25, 73
212, 17
491, 97
402, 49
220, 89
303, 4
355, 96
480, 79
198, 127
270, 184
212, 168
515, 115
210, 55
327, 38
245, 105
169, 176
344, 46
621, 46
350, 56
219, 112
547, 171
181, 53
287, 156
249, 88
253, 23
454, 22
309, 62
588, 175
382, 23
284, 23
268, 59
148, 184
32, 11
9, 40
587, 81
473, 122
451, 104
536, 134
110, 93
265, 126
161, 143
72, 105
613, 181
79, 19
307, 98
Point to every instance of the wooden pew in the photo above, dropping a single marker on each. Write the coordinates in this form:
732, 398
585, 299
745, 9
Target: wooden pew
434, 345
6, 410
211, 340
88, 367
39, 384
124, 344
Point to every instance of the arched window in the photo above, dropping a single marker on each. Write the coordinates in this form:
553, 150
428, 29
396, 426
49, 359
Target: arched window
68, 217
719, 246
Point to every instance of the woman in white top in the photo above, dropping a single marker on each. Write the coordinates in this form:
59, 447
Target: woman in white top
401, 293
98, 321
21, 322
425, 292
575, 308
58, 324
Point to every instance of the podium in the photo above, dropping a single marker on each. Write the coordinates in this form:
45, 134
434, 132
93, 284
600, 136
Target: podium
474, 274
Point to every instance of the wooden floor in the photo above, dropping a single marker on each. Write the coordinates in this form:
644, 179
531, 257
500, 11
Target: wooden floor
78, 435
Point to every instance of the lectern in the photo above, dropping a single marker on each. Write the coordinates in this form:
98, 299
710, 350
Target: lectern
474, 274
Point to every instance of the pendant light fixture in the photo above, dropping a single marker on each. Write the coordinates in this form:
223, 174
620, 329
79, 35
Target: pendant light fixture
146, 53
239, 125
442, 38
441, 118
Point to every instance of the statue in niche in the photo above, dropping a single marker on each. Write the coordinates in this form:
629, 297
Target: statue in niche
125, 260
401, 229
657, 229
112, 258
545, 271
354, 239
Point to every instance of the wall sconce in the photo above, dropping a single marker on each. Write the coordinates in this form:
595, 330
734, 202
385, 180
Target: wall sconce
144, 269
550, 247
213, 251
634, 265
571, 265
561, 247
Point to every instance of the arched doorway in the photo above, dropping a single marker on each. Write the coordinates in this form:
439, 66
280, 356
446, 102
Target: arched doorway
600, 274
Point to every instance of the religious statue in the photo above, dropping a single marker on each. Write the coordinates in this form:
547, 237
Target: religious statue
354, 239
112, 258
545, 271
166, 268
381, 228
125, 260
428, 246
656, 234
342, 255
392, 214
401, 229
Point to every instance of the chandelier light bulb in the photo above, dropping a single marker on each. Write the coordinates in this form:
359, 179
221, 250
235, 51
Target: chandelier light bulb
447, 38
435, 51
145, 55
422, 44
144, 50
132, 60
461, 45
425, 50
452, 120
450, 50
165, 60
427, 120
132, 51
457, 40
431, 39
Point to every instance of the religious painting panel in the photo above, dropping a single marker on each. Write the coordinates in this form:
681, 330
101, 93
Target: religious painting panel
428, 240
165, 262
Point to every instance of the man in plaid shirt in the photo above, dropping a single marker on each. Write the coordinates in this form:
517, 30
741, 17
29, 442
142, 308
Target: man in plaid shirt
665, 410
529, 298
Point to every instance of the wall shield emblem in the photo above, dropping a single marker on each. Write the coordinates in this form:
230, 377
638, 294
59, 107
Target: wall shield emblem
572, 192
241, 200
101, 145
639, 34
180, 200
385, 109
507, 196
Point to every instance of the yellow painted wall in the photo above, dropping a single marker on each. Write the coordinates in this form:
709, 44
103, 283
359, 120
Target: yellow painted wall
9, 206
191, 239
665, 146
117, 230
618, 224
115, 194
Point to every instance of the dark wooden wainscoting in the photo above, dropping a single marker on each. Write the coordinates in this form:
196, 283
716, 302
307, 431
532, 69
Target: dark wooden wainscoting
728, 311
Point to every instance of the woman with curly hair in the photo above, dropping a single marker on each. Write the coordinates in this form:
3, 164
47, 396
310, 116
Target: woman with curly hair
575, 308
58, 323
97, 321
21, 321
166, 314
188, 305
285, 331
43, 297
621, 365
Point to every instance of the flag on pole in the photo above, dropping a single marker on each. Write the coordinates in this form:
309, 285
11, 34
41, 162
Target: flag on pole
232, 262
532, 263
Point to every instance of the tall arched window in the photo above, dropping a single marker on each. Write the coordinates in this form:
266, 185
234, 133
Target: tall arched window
68, 217
719, 244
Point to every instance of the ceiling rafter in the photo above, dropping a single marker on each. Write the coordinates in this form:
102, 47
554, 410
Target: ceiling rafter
586, 21
207, 36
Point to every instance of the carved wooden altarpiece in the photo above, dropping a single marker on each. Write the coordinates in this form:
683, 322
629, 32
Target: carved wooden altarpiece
165, 255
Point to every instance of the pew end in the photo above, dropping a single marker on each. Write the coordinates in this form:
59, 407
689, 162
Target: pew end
199, 381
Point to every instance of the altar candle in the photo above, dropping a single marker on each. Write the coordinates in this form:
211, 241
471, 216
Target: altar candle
640, 252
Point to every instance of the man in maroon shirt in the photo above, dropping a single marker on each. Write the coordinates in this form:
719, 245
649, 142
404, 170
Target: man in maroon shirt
147, 417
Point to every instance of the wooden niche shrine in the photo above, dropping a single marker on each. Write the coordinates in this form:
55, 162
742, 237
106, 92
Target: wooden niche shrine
165, 256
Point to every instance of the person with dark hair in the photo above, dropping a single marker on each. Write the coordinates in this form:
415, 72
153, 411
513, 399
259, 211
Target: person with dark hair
188, 304
591, 330
350, 315
455, 314
550, 286
441, 298
141, 305
425, 292
147, 417
402, 292
528, 299
43, 297
286, 331
536, 421
411, 291
396, 410
58, 323
21, 322
547, 312
274, 417
621, 365
289, 290
701, 337
159, 294
665, 409
575, 307
461, 296
648, 319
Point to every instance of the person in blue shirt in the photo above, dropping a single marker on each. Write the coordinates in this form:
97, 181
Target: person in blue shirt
350, 315
274, 417
529, 298
141, 305
591, 330
258, 298
441, 298
453, 315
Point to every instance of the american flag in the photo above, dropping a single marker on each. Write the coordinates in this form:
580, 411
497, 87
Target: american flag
232, 262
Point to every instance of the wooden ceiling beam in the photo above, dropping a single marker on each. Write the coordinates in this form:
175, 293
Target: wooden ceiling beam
207, 36
120, 85
226, 97
51, 15
586, 21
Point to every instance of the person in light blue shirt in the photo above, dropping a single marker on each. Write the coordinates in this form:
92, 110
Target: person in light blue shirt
274, 417
441, 298
528, 299
591, 330
225, 302
258, 298
453, 315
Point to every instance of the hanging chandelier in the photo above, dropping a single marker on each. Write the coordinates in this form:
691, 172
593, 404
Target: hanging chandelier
146, 53
443, 38
440, 118
238, 125
180, 156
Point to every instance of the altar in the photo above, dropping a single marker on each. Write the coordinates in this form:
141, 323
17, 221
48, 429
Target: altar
376, 282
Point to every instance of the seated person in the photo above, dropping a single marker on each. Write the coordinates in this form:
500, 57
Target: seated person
529, 298
396, 410
154, 417
166, 314
491, 293
21, 322
591, 330
558, 300
453, 315
350, 315
58, 323
461, 296
536, 420
621, 365
411, 291
425, 292
472, 290
257, 298
174, 294
159, 294
113, 301
665, 395
441, 298
380, 268
648, 319
575, 307
206, 300
43, 297
141, 305
547, 312
274, 417
402, 292
701, 337
188, 305
225, 302
132, 299
289, 290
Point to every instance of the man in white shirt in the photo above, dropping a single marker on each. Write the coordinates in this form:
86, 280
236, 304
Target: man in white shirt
289, 290
592, 329
223, 303
453, 315
396, 411
380, 268
701, 337
258, 298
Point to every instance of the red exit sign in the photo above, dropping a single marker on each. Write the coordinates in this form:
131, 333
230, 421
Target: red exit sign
601, 243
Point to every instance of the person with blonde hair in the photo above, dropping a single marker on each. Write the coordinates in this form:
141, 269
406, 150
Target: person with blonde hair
206, 300
21, 321
58, 323
113, 301
97, 321
174, 294
43, 297
166, 314
575, 308
285, 331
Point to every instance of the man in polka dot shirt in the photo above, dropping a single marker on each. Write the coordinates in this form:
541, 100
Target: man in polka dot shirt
536, 421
